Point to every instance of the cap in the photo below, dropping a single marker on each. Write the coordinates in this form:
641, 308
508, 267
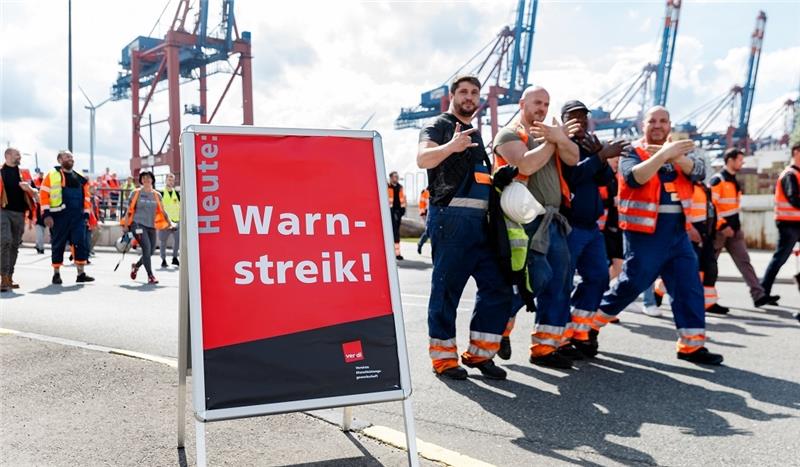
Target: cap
572, 105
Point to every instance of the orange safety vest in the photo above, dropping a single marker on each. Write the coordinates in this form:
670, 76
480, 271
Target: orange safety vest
160, 221
601, 221
499, 161
784, 211
638, 207
402, 196
727, 200
699, 210
424, 198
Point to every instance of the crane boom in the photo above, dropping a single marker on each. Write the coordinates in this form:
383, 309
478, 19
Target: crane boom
668, 40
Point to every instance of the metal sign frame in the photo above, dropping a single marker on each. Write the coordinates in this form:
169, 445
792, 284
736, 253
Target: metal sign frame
191, 298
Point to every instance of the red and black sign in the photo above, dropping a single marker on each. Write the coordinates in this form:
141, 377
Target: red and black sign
294, 285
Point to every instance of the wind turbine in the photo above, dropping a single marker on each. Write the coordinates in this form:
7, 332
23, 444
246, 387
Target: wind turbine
92, 111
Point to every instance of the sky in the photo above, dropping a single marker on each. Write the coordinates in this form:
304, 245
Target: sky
333, 64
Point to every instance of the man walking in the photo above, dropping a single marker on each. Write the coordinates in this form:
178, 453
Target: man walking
66, 207
655, 197
787, 218
171, 199
397, 205
726, 194
539, 151
16, 197
460, 185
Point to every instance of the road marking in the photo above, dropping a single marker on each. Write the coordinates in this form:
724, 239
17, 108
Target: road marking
429, 451
99, 348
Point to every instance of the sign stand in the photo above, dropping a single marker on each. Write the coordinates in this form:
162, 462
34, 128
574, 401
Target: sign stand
191, 335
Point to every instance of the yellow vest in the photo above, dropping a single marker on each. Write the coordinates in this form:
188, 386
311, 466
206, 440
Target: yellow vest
56, 201
172, 205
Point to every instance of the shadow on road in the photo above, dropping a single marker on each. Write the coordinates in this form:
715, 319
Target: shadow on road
143, 287
53, 289
410, 264
614, 396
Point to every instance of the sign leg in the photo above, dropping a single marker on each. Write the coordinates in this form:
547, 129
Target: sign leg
347, 418
183, 338
200, 442
411, 433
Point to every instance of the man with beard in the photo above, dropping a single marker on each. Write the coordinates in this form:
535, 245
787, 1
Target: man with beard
458, 172
16, 198
586, 243
655, 199
540, 151
66, 206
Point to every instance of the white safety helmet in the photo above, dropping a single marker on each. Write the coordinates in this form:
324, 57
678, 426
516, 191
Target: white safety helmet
519, 205
123, 243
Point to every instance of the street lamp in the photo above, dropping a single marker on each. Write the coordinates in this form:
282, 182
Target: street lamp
92, 111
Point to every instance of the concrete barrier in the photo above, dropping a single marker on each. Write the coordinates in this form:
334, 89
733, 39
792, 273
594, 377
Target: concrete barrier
758, 221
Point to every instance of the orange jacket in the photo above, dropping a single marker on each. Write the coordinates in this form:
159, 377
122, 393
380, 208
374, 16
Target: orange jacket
784, 211
699, 210
161, 222
638, 207
47, 186
402, 196
727, 198
499, 161
424, 199
601, 221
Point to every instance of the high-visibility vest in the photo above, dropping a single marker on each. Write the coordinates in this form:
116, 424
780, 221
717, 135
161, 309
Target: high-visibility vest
172, 205
727, 200
424, 199
499, 161
699, 210
784, 211
161, 222
518, 240
601, 221
50, 193
638, 207
402, 196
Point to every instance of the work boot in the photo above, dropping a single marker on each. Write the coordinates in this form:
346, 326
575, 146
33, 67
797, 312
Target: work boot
40, 251
152, 280
134, 270
505, 348
766, 300
488, 369
57, 278
587, 348
5, 283
659, 298
163, 263
456, 373
570, 351
552, 360
175, 262
718, 309
400, 258
702, 357
83, 277
14, 285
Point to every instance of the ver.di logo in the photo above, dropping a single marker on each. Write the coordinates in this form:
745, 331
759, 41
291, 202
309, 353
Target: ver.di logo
352, 351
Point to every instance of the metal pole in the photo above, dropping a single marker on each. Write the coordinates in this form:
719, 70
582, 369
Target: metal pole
183, 328
91, 140
200, 442
69, 74
411, 433
347, 418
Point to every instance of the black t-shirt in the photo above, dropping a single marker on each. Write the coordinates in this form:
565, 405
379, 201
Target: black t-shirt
445, 178
396, 195
14, 194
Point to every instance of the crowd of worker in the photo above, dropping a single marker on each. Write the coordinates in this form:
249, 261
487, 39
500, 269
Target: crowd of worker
70, 206
624, 218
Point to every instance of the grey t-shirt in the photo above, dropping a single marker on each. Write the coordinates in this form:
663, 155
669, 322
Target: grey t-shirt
145, 209
544, 184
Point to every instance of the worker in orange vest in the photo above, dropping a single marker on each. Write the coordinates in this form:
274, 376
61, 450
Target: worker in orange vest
787, 218
702, 232
424, 197
655, 198
397, 205
145, 215
727, 195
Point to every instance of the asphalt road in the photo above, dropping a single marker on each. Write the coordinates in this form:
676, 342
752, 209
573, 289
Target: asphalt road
635, 404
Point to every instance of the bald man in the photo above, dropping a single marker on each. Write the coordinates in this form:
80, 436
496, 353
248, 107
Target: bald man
655, 198
539, 151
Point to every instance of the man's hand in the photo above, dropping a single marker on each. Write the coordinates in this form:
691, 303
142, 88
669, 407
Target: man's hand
727, 232
48, 222
554, 133
591, 144
675, 149
612, 149
461, 139
694, 235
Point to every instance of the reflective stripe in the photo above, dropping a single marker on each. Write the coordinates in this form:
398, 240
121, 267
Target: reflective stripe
469, 203
557, 330
646, 221
550, 342
670, 209
518, 243
727, 200
442, 343
484, 336
785, 205
793, 214
45, 188
53, 209
693, 219
691, 331
632, 204
582, 313
479, 352
443, 355
729, 212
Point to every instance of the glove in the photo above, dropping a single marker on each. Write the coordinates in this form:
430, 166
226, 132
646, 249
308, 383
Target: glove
504, 176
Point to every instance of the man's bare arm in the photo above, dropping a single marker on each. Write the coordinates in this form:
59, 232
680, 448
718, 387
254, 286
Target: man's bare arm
527, 161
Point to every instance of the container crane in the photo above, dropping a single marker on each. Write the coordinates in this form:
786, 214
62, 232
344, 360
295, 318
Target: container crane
503, 71
651, 84
738, 101
146, 61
